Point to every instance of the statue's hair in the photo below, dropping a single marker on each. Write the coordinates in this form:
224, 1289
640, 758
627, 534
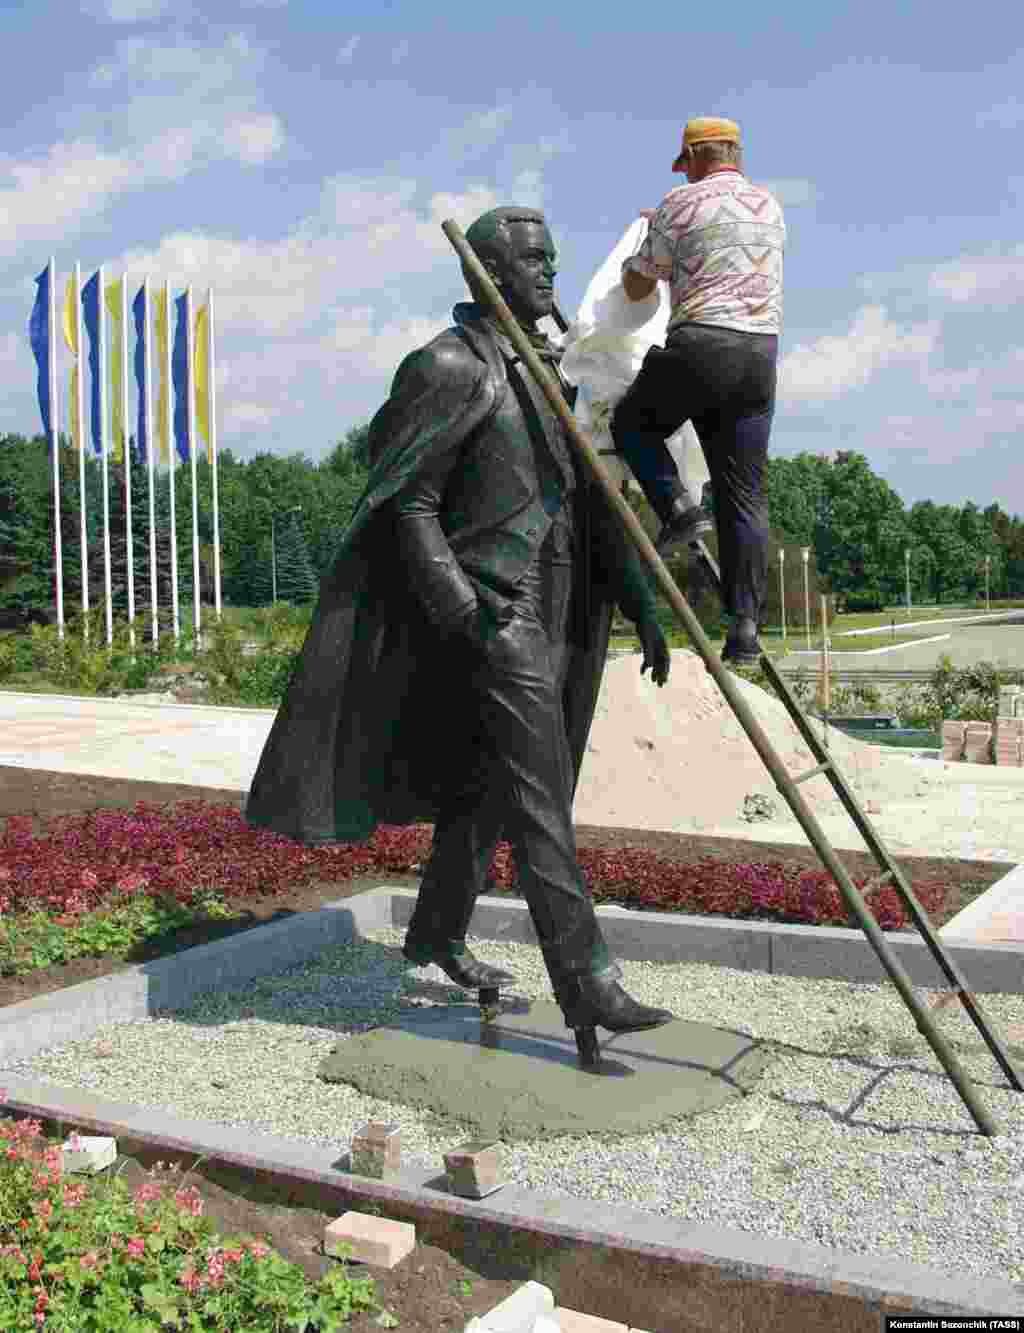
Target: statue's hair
489, 236
718, 152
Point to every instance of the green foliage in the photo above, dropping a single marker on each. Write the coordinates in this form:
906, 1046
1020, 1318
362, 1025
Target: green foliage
970, 694
93, 1257
865, 599
296, 581
32, 940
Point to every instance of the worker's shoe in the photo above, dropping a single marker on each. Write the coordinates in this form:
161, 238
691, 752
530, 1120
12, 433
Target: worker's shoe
741, 646
460, 966
597, 1000
685, 523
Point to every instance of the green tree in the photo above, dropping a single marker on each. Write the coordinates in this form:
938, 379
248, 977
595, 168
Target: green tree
798, 496
937, 528
859, 538
27, 558
296, 581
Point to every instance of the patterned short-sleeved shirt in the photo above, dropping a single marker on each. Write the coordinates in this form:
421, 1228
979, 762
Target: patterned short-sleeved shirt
718, 242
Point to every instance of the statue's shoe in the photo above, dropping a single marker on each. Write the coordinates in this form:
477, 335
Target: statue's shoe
462, 968
600, 1001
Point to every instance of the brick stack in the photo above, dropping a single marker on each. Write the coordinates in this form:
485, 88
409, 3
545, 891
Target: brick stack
953, 741
978, 743
1009, 741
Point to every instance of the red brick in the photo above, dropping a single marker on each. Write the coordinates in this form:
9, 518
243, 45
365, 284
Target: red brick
373, 1240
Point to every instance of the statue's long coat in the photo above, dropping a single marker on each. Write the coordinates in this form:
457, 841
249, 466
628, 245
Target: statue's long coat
373, 727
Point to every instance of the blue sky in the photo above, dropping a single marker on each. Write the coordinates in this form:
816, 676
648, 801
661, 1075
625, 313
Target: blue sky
299, 157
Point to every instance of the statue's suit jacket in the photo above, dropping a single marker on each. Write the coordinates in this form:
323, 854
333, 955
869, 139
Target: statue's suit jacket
374, 727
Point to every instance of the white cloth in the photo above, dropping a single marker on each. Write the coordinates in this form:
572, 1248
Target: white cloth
604, 349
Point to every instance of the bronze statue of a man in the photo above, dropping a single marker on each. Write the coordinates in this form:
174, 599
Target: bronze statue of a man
453, 664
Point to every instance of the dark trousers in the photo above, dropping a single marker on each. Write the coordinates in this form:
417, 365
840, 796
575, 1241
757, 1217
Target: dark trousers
724, 382
519, 785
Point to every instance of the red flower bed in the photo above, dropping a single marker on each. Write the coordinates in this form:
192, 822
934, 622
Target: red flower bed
88, 861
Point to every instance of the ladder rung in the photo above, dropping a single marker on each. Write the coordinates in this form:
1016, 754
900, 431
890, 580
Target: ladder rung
813, 772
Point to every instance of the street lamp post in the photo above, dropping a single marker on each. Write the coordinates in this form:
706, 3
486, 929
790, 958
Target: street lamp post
906, 557
988, 566
295, 509
782, 596
805, 552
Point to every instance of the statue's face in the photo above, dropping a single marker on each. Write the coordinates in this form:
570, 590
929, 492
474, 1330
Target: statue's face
527, 278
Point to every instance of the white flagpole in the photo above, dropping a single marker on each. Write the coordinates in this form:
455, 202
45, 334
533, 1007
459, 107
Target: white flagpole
127, 451
101, 328
211, 408
147, 407
171, 461
80, 409
51, 335
190, 400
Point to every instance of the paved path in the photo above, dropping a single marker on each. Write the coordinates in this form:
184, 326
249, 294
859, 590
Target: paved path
999, 641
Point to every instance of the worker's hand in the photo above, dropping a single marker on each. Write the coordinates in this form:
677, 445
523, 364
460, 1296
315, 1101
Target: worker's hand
656, 650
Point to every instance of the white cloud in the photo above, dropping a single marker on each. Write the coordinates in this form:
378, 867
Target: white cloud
202, 69
49, 196
1008, 115
283, 285
793, 193
294, 294
993, 281
833, 365
187, 107
354, 201
347, 52
42, 196
254, 139
239, 416
129, 11
400, 51
377, 349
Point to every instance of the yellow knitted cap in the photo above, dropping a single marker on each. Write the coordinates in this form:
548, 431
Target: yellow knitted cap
704, 129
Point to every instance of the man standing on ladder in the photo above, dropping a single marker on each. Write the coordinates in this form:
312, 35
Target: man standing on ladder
718, 241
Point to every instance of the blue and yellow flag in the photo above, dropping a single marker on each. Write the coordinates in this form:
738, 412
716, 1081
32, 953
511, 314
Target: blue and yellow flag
70, 311
163, 404
201, 358
180, 374
39, 338
140, 441
71, 299
113, 295
91, 315
74, 414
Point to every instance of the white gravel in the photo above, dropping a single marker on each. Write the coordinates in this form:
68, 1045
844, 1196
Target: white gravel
853, 1138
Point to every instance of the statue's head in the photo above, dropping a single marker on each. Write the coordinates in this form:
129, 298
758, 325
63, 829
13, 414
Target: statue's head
516, 249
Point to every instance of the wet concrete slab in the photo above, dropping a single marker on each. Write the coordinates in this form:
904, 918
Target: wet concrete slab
518, 1077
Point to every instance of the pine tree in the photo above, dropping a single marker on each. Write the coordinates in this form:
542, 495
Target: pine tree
296, 581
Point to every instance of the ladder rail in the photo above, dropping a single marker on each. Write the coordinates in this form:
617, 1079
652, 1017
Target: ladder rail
826, 765
657, 569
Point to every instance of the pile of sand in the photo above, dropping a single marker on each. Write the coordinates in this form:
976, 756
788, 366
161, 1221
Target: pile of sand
677, 759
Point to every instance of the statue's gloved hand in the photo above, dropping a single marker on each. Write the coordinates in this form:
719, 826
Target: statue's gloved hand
656, 650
